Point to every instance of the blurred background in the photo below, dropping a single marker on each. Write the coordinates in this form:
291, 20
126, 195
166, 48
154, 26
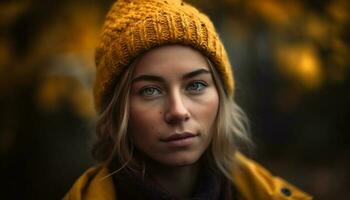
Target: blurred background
291, 61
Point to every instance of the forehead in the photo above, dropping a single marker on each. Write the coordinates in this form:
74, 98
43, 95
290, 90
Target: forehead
170, 60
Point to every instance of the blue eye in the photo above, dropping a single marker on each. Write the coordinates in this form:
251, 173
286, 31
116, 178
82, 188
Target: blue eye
150, 91
196, 86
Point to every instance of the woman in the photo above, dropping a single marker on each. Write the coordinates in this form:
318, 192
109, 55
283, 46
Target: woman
168, 127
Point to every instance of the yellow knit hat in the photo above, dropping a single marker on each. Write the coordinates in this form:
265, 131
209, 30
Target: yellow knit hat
133, 27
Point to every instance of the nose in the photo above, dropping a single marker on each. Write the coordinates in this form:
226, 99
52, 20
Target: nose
176, 111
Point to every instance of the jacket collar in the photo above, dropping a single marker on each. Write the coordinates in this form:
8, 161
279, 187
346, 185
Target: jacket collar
253, 182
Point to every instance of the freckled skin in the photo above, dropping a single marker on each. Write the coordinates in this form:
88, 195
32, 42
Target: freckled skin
176, 107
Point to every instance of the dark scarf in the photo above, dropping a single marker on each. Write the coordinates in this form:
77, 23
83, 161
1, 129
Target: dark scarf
211, 186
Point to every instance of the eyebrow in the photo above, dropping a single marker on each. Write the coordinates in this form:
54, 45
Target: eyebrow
160, 79
195, 73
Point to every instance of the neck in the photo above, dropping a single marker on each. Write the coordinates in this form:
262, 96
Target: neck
179, 181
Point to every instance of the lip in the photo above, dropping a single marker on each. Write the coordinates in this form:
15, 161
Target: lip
179, 136
177, 140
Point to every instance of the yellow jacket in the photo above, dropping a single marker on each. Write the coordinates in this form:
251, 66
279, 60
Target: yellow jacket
253, 182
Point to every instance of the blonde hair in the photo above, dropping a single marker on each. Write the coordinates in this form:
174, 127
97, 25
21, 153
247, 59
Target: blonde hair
113, 142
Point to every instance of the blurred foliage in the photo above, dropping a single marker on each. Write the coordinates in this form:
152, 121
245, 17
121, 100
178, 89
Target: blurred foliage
291, 63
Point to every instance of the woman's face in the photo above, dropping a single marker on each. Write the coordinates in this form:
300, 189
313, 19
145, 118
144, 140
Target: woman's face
173, 105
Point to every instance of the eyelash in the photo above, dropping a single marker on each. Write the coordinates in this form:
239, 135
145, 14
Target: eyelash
142, 92
153, 89
202, 83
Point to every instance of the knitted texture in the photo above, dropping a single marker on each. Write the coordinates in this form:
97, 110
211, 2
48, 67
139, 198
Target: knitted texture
133, 27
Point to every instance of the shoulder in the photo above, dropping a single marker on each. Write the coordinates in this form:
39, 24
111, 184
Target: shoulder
92, 185
255, 182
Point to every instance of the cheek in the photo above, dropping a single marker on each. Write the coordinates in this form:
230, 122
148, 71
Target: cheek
207, 109
143, 120
212, 107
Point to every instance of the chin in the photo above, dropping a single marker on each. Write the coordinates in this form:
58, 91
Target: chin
180, 160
